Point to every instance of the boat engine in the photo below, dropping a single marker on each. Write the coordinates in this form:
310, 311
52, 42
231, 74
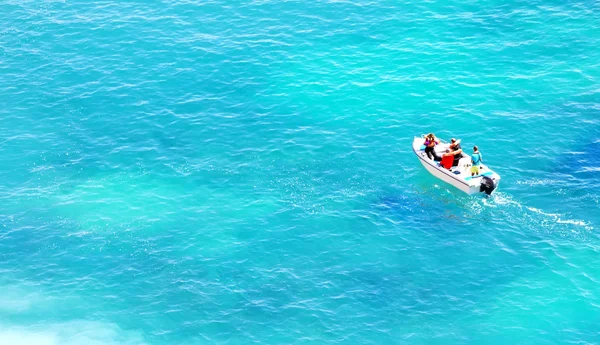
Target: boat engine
487, 185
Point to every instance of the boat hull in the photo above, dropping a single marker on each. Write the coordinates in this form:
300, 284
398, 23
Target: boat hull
469, 189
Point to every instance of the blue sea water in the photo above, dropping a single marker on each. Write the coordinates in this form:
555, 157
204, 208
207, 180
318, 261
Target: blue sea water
240, 172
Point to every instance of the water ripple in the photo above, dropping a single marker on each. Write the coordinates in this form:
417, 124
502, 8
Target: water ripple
239, 173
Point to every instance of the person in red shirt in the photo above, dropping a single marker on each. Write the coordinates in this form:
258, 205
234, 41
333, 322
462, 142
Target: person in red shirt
452, 155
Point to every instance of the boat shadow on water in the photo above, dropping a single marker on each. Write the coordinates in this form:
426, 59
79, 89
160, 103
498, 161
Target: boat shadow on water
424, 205
441, 244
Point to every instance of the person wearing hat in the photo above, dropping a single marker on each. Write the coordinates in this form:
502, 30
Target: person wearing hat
455, 151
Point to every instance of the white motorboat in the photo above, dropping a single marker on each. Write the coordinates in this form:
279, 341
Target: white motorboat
459, 176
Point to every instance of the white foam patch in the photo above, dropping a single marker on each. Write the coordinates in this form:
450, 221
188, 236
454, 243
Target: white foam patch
71, 333
502, 199
18, 298
543, 182
531, 215
575, 222
533, 209
557, 218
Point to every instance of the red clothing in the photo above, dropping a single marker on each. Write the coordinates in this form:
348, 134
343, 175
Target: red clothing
447, 161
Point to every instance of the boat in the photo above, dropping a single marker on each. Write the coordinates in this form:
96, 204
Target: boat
458, 176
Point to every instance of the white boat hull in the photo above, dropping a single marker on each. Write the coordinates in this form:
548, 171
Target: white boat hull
459, 176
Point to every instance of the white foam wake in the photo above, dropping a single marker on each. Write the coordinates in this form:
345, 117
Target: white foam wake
528, 214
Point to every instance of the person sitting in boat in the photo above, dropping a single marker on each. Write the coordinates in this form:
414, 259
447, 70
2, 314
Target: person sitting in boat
430, 142
447, 160
455, 151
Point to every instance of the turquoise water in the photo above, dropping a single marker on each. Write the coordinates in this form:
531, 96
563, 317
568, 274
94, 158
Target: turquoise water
240, 172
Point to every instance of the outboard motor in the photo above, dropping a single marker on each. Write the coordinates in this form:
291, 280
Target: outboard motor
487, 185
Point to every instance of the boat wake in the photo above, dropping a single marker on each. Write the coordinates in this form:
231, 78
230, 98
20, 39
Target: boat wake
516, 211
